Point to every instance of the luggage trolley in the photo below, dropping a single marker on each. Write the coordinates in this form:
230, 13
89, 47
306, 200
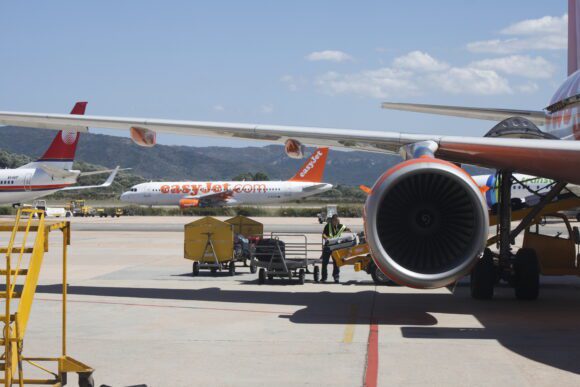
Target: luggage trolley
284, 259
209, 243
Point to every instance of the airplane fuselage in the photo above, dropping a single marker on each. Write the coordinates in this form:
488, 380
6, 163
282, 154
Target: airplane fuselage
234, 192
26, 184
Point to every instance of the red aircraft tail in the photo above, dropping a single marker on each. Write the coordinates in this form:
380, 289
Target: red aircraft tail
63, 147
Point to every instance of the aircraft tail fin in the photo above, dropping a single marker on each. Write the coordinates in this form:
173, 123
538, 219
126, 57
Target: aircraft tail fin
61, 151
313, 169
573, 35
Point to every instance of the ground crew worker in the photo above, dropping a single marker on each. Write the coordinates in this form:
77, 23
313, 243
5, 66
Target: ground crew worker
333, 229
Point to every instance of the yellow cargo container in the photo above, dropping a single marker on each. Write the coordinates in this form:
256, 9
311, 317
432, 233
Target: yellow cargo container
209, 243
246, 227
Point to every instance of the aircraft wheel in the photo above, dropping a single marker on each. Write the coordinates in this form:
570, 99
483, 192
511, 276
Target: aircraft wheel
526, 275
483, 277
262, 276
316, 273
195, 271
253, 267
232, 268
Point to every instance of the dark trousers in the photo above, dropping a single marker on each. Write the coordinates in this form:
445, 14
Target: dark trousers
326, 254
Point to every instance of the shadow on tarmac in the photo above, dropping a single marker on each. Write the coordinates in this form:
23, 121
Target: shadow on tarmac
546, 330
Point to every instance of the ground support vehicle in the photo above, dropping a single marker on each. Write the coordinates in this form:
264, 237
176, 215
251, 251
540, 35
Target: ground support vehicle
359, 256
288, 258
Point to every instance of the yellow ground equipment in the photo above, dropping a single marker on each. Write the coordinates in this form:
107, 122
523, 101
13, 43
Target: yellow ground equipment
247, 233
246, 226
209, 243
557, 251
21, 272
80, 208
359, 256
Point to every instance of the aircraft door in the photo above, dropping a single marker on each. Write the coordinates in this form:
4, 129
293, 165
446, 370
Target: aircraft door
27, 182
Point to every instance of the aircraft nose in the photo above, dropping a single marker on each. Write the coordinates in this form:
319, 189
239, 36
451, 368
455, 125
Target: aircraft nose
124, 197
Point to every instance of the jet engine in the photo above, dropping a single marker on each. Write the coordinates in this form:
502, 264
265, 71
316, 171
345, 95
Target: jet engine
426, 223
188, 203
143, 137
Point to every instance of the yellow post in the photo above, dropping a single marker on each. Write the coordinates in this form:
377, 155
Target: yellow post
64, 286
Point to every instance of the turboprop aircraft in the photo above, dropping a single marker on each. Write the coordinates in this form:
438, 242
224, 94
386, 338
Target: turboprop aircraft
51, 173
426, 220
306, 182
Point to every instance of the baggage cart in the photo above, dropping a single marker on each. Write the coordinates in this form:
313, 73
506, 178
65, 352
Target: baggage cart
288, 258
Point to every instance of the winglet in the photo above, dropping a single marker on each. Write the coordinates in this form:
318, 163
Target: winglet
313, 169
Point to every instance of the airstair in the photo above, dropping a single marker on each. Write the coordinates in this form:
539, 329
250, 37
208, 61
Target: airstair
20, 273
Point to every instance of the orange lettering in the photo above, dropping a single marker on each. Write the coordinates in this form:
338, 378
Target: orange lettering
164, 189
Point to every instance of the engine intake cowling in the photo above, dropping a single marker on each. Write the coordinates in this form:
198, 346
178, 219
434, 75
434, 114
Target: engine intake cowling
426, 223
188, 203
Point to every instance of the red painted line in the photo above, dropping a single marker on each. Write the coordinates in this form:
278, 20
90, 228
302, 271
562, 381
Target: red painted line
372, 366
371, 375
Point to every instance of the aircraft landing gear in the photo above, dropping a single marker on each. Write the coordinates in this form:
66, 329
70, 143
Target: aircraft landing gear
521, 270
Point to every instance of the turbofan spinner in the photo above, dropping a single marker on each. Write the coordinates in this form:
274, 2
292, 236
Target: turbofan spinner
426, 220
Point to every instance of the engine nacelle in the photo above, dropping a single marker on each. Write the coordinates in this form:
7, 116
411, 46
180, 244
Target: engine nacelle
143, 137
294, 149
426, 223
188, 203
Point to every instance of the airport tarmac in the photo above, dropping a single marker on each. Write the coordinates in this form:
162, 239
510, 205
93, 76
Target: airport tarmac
138, 317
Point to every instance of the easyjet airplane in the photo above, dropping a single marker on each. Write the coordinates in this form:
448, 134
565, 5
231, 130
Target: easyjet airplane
307, 182
426, 220
52, 172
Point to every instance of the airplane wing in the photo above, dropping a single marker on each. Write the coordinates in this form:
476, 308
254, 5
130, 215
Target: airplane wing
58, 172
213, 197
538, 117
555, 159
99, 172
107, 183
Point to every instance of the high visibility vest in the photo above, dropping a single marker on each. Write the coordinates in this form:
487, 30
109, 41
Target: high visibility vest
336, 234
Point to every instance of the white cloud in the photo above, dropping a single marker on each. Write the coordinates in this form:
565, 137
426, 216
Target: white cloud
544, 25
219, 108
388, 82
524, 66
380, 83
468, 80
329, 55
419, 61
266, 109
546, 33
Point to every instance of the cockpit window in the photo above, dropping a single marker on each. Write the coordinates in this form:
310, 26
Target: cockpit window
133, 189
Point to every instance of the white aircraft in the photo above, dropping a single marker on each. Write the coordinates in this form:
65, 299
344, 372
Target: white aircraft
426, 220
307, 182
49, 174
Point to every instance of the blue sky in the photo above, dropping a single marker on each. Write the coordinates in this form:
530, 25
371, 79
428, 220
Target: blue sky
315, 63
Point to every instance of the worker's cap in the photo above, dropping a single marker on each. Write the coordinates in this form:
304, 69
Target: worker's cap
335, 216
